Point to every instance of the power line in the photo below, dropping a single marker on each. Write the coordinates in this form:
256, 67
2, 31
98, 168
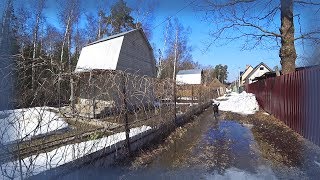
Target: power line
168, 18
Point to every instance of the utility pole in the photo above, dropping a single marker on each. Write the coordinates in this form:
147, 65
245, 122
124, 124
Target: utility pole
239, 79
175, 56
159, 64
174, 75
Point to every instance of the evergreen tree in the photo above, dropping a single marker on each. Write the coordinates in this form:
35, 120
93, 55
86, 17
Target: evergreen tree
120, 18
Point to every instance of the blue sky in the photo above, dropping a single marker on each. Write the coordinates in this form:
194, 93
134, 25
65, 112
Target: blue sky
230, 54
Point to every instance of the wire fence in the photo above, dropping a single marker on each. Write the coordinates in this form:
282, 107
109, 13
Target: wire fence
51, 118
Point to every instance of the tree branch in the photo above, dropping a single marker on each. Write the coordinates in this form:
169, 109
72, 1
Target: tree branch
306, 2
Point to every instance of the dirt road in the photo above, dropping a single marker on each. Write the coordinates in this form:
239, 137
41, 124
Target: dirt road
232, 147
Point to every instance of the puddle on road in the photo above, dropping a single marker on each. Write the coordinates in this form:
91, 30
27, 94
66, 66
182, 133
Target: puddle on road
230, 144
210, 150
213, 147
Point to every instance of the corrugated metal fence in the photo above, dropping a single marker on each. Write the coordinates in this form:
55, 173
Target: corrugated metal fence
294, 99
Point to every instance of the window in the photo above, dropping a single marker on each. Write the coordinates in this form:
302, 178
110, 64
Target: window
261, 68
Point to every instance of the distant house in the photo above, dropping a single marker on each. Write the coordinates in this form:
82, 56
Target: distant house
244, 74
129, 51
258, 71
274, 74
191, 76
216, 85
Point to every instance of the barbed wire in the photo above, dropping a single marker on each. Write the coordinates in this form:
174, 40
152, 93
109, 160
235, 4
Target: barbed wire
67, 116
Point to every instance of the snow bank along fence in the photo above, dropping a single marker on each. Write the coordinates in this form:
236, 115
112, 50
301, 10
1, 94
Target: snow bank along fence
294, 99
61, 117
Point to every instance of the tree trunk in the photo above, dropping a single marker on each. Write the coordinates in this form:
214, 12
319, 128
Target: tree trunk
64, 40
35, 40
72, 98
287, 51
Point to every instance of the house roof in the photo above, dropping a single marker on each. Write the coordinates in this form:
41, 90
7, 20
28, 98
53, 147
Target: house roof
216, 83
256, 68
190, 71
241, 74
119, 35
307, 67
104, 53
273, 74
265, 76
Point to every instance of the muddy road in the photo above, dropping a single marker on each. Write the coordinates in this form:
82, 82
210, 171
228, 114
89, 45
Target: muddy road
232, 147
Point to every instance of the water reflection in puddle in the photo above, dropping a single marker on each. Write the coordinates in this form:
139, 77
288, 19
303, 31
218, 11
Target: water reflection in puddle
227, 144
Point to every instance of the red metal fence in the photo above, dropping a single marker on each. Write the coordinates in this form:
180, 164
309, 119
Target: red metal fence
294, 99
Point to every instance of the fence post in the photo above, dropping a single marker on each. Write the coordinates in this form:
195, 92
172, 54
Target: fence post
175, 99
125, 115
92, 83
72, 98
200, 94
59, 90
192, 95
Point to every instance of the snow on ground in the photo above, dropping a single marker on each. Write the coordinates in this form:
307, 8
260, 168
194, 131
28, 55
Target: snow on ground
22, 124
243, 103
237, 174
36, 164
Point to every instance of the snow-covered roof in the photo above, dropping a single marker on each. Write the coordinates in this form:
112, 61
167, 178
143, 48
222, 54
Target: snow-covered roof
112, 37
190, 71
104, 53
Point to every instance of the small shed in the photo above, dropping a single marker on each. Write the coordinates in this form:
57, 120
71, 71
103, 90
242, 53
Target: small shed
128, 51
217, 86
101, 80
191, 76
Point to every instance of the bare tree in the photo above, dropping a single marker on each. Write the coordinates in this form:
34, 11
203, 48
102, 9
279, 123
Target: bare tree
69, 16
143, 11
256, 22
38, 16
177, 49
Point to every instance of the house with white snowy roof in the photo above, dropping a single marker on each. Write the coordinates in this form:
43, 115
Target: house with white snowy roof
190, 76
128, 51
100, 65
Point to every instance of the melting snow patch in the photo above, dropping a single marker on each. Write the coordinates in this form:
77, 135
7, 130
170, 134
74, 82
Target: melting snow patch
36, 164
234, 173
248, 125
25, 123
244, 103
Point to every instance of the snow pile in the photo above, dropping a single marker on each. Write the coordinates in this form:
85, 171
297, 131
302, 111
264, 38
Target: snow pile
22, 124
36, 164
227, 95
243, 103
